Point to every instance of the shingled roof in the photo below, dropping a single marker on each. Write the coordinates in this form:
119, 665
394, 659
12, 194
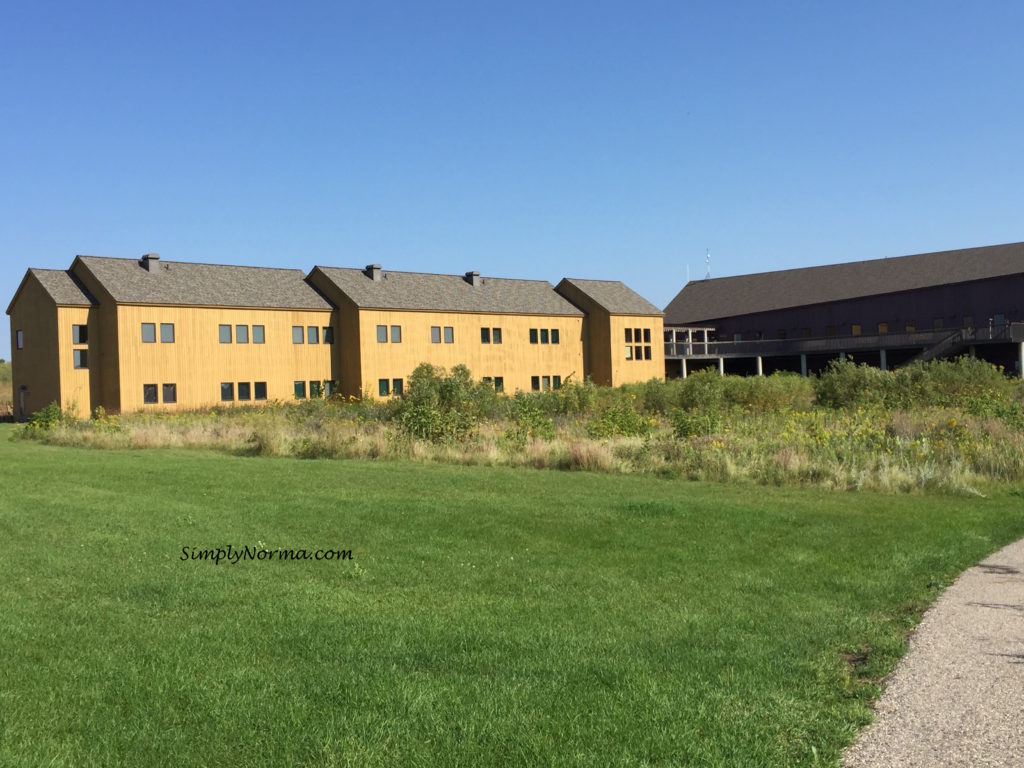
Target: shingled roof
61, 285
448, 293
208, 285
614, 296
702, 301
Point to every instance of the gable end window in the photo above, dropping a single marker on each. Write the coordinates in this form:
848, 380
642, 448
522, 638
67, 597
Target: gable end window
19, 339
149, 333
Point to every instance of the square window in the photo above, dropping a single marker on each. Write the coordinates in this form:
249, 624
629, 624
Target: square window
554, 335
396, 334
435, 334
315, 388
259, 390
313, 334
496, 335
170, 393
533, 335
647, 335
149, 333
224, 334
383, 387
883, 328
149, 393
382, 334
297, 336
545, 383
397, 387
910, 327
259, 335
629, 335
499, 383
855, 329
328, 334
300, 390
485, 335
166, 333
544, 336
227, 391
647, 352
81, 358
79, 334
244, 390
449, 335
556, 382
241, 334
629, 352
535, 383
19, 340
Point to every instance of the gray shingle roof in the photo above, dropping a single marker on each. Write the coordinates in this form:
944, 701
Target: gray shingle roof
704, 300
614, 296
62, 287
449, 293
211, 285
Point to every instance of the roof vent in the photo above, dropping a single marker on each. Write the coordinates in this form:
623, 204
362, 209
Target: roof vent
473, 278
373, 272
149, 261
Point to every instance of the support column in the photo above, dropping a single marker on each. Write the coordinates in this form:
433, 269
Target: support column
683, 361
760, 366
881, 360
842, 357
1020, 358
721, 366
803, 365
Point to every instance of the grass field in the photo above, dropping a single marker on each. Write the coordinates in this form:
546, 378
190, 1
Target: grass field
490, 616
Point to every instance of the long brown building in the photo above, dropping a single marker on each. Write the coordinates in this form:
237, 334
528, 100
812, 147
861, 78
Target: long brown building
137, 334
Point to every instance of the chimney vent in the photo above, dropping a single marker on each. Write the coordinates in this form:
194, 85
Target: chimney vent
473, 278
373, 272
149, 261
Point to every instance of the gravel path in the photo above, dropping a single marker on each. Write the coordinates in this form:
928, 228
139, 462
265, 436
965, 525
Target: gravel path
957, 697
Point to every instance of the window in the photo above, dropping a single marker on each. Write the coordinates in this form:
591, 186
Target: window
883, 328
496, 335
647, 352
485, 335
533, 335
499, 383
545, 383
313, 334
19, 341
543, 335
629, 351
297, 337
300, 390
244, 390
166, 333
330, 387
488, 380
855, 329
259, 335
170, 393
382, 334
79, 334
397, 387
315, 389
149, 393
449, 335
535, 383
149, 333
638, 352
328, 334
81, 358
224, 333
629, 335
227, 391
241, 334
556, 382
383, 387
910, 327
435, 334
647, 335
636, 335
554, 336
396, 334
260, 390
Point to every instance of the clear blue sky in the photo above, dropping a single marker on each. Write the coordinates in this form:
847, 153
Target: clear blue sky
591, 139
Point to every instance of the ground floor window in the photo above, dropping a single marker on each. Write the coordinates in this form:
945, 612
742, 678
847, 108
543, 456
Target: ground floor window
227, 391
149, 393
397, 387
300, 390
170, 393
315, 389
244, 391
260, 390
383, 387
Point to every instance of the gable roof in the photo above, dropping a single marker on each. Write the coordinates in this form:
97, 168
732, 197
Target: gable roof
210, 285
60, 285
614, 296
704, 300
451, 293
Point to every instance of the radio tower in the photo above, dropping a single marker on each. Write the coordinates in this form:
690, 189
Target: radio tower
707, 261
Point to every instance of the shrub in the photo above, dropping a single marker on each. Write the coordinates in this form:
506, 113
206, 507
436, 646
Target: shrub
620, 419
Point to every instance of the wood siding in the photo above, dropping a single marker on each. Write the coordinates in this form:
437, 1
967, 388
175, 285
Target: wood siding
36, 366
626, 371
75, 385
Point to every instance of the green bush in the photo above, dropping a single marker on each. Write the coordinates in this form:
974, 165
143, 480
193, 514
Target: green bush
621, 419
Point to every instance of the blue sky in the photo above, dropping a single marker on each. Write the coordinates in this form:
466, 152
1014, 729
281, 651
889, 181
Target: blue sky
602, 139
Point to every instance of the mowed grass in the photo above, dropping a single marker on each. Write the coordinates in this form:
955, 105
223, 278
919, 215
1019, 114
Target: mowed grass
490, 616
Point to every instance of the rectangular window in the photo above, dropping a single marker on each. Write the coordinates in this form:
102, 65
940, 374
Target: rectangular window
166, 333
149, 393
396, 334
227, 391
647, 335
883, 328
259, 390
382, 334
300, 390
19, 339
485, 335
81, 358
383, 387
315, 389
313, 334
224, 334
79, 334
629, 352
629, 335
397, 387
170, 393
499, 383
259, 335
496, 335
449, 335
149, 333
910, 327
533, 335
636, 335
545, 383
328, 334
297, 336
244, 390
855, 329
241, 334
535, 383
544, 336
556, 382
647, 353
435, 334
488, 380
554, 336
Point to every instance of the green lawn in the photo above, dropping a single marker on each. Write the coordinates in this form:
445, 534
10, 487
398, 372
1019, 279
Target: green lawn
489, 617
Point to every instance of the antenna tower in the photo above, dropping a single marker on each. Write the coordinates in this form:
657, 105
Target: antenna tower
707, 261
